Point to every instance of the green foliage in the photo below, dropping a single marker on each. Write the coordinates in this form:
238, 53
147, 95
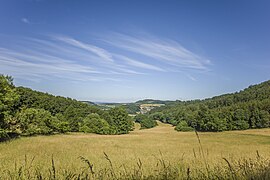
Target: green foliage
120, 121
152, 101
132, 108
3, 135
53, 104
35, 121
246, 109
94, 124
159, 116
8, 98
183, 126
73, 117
145, 121
27, 112
60, 125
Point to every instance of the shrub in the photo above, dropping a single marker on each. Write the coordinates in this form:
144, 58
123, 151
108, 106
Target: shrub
94, 124
120, 120
145, 121
183, 126
3, 135
35, 121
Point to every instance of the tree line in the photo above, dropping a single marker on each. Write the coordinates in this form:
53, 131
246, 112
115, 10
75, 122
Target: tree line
247, 109
24, 111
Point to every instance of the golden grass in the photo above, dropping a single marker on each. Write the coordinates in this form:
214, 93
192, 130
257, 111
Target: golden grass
148, 145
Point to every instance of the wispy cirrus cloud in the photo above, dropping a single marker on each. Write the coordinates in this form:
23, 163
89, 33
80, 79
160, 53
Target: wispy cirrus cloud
166, 51
138, 64
65, 57
191, 77
25, 20
37, 68
102, 53
42, 61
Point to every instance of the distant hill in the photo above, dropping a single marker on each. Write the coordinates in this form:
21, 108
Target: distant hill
133, 107
88, 102
153, 101
248, 108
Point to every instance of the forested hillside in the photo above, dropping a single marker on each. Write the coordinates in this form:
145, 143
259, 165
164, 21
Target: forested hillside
152, 101
246, 109
27, 112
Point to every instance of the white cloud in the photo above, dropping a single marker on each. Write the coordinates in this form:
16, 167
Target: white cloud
45, 59
163, 50
68, 58
191, 77
139, 64
94, 49
25, 20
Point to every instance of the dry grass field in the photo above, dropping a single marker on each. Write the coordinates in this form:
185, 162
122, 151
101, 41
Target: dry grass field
146, 148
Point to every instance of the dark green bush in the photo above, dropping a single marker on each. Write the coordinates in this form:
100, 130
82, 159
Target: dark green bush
35, 121
120, 121
94, 124
145, 121
3, 135
183, 126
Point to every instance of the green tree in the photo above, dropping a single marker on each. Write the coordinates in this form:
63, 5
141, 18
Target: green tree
145, 121
183, 126
158, 116
120, 120
35, 121
264, 120
132, 108
240, 119
94, 124
59, 124
8, 99
73, 118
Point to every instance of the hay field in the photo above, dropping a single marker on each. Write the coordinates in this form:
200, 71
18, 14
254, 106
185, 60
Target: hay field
125, 151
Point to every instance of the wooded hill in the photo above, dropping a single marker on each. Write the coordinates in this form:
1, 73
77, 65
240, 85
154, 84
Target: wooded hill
249, 108
24, 111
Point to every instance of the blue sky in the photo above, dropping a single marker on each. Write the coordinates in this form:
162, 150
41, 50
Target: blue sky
122, 51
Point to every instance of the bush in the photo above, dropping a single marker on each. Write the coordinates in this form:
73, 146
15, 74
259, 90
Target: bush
3, 135
158, 116
145, 121
35, 121
120, 120
183, 126
60, 125
94, 124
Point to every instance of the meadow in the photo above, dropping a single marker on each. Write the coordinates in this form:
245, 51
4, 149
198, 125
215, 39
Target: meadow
157, 153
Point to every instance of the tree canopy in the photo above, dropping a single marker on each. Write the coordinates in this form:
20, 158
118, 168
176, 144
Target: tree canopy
24, 111
249, 108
